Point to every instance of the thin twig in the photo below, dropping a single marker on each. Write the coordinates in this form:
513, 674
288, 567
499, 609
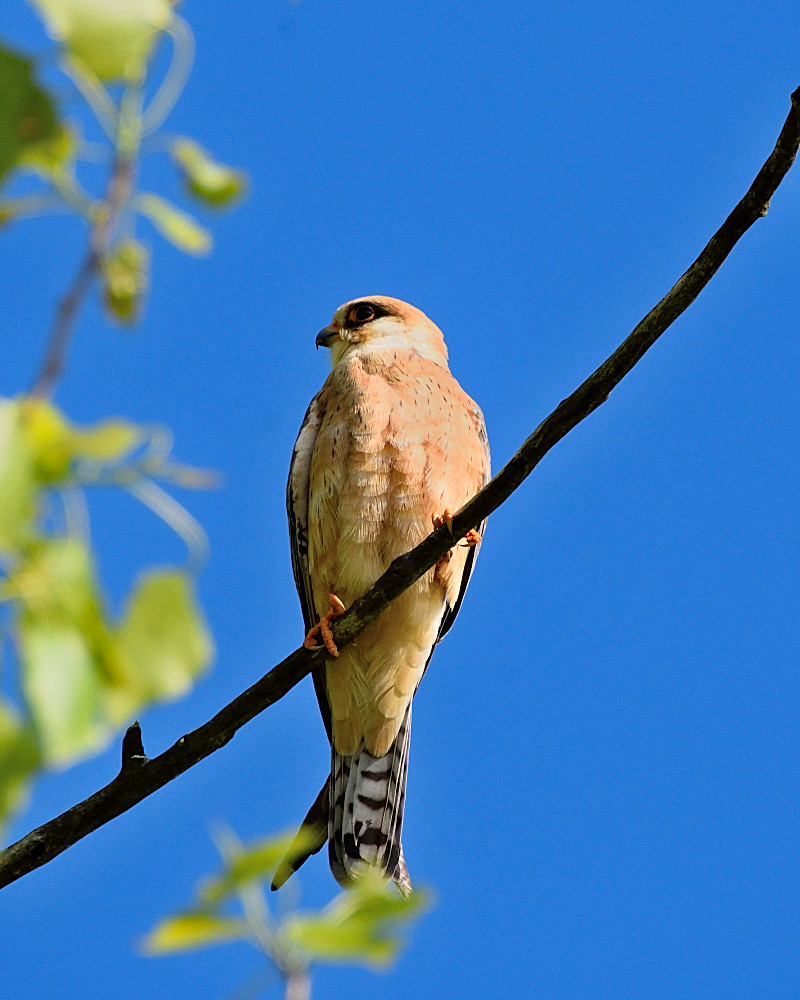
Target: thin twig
298, 986
117, 194
133, 785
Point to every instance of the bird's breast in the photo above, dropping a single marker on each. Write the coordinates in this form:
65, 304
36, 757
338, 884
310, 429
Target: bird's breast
369, 498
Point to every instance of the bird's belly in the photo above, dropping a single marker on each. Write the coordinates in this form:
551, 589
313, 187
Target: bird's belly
374, 505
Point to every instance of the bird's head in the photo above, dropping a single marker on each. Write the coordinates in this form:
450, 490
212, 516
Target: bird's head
377, 324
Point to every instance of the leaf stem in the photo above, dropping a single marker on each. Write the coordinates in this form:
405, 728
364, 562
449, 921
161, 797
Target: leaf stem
178, 73
93, 92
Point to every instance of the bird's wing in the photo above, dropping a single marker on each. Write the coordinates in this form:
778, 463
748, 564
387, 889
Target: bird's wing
452, 610
297, 496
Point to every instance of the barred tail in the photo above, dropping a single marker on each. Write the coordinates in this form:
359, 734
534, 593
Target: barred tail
365, 814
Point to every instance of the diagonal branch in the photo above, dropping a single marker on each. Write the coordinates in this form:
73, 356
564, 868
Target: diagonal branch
102, 231
141, 777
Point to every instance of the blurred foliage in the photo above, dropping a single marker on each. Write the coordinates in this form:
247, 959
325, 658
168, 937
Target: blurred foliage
19, 757
174, 225
83, 673
125, 273
105, 52
361, 925
112, 38
27, 114
206, 179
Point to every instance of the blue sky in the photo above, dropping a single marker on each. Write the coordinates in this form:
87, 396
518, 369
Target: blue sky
603, 781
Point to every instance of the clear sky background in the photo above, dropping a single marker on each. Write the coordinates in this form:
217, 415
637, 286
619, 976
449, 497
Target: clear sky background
604, 765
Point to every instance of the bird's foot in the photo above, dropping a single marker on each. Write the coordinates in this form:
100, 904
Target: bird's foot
446, 517
323, 627
472, 537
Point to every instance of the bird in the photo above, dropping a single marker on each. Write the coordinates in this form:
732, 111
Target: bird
388, 448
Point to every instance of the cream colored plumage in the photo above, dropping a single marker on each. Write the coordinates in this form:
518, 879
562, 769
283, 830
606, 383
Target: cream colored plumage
390, 440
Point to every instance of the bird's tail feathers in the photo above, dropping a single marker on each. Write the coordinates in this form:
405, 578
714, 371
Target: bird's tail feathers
365, 814
310, 838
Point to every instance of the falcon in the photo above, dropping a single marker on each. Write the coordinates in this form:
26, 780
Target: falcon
389, 446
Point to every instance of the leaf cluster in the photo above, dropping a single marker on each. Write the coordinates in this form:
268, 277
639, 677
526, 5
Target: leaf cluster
106, 52
359, 926
82, 673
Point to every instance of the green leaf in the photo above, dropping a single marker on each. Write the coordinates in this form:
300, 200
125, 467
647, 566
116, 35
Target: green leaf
62, 689
213, 183
80, 675
18, 759
56, 444
187, 931
50, 156
252, 865
107, 441
27, 114
56, 580
47, 434
17, 481
358, 926
162, 644
125, 271
64, 647
175, 225
112, 38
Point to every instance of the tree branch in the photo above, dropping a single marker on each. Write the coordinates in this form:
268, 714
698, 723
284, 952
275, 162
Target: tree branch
135, 783
117, 194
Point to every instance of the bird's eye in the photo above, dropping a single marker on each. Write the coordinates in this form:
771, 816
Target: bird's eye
361, 314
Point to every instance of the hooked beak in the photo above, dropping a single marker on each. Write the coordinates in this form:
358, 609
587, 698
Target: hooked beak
327, 336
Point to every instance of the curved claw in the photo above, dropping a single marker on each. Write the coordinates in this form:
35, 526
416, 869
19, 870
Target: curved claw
446, 517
